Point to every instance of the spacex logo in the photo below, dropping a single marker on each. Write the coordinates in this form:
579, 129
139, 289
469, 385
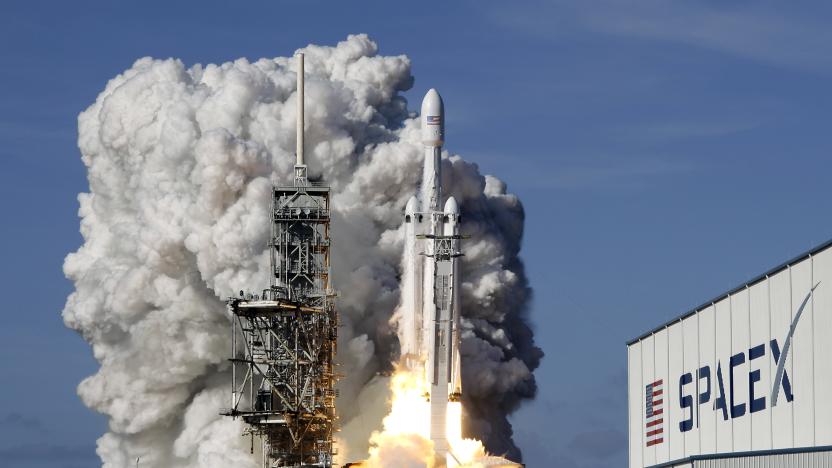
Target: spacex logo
781, 365
728, 398
719, 385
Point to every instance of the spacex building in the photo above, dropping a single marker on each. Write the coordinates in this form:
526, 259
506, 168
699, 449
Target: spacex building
744, 380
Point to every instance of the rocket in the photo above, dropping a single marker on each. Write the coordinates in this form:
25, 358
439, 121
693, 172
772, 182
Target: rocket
430, 322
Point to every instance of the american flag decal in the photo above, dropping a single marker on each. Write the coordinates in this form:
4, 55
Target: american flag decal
433, 120
653, 413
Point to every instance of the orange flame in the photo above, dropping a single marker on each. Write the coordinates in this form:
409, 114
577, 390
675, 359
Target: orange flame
405, 438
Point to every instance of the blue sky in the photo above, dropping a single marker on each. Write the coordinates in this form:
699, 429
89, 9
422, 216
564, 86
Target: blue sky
665, 152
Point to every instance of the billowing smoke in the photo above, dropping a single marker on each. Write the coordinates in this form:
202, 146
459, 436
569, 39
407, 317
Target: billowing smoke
180, 162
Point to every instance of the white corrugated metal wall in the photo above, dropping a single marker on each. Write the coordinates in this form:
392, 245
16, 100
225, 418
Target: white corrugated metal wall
752, 316
791, 460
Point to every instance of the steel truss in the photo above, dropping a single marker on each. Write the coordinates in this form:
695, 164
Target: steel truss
284, 341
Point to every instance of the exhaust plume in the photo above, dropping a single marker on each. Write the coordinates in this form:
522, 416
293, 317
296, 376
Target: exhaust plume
180, 163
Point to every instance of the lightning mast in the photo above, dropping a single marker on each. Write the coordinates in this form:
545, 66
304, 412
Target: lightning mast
284, 341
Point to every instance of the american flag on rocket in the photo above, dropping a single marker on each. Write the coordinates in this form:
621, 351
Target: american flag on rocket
653, 413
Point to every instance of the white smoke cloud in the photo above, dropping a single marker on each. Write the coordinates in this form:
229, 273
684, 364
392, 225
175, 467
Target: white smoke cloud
180, 162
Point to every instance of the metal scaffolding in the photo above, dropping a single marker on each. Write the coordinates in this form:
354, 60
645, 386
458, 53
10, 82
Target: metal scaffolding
284, 341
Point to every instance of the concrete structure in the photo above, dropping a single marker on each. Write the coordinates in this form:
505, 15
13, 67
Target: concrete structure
284, 340
745, 379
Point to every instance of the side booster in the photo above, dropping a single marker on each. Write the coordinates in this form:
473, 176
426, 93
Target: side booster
430, 323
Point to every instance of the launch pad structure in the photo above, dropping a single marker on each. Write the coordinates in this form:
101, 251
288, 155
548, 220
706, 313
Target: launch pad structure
284, 340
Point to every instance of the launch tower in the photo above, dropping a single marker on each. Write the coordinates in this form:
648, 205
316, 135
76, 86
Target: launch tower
284, 341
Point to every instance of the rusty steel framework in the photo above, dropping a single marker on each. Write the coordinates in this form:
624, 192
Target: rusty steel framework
284, 341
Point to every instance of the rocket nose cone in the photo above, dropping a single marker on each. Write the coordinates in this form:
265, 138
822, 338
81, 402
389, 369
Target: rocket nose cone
433, 119
432, 103
451, 206
412, 206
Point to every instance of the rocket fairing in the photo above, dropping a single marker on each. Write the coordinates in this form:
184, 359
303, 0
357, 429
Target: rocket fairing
430, 323
433, 136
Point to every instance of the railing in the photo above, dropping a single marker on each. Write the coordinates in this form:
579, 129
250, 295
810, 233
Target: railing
301, 213
308, 183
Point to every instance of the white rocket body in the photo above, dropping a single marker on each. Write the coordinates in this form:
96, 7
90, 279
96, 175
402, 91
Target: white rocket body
430, 324
410, 335
433, 136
